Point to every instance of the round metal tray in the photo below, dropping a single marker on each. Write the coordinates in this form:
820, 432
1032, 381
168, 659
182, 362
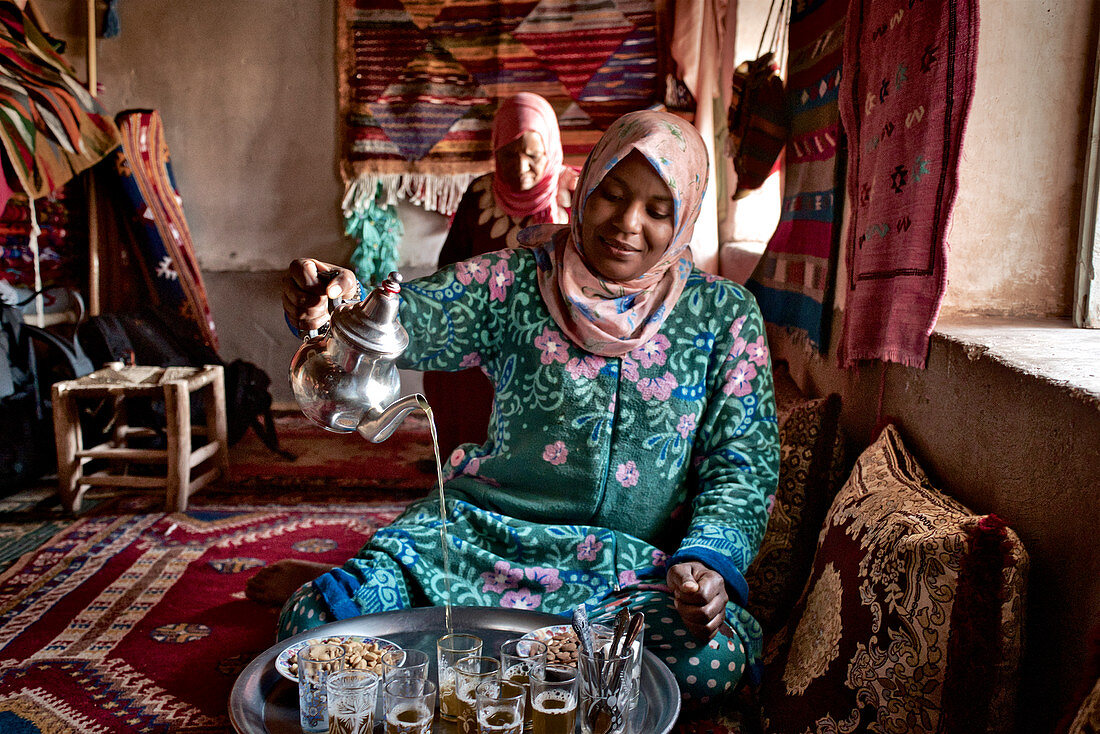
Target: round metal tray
263, 702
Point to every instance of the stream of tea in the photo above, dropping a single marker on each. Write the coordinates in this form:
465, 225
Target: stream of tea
444, 536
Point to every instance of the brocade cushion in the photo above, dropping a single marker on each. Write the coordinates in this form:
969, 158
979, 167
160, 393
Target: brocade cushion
811, 470
1087, 720
912, 616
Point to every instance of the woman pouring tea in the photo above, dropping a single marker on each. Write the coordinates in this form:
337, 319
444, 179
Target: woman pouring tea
633, 447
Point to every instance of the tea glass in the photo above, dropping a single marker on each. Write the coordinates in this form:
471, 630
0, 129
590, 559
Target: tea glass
400, 663
554, 700
470, 672
605, 693
315, 664
449, 650
500, 707
409, 706
351, 696
602, 636
520, 661
404, 664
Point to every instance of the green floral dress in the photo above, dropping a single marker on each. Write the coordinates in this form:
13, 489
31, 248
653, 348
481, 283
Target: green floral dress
597, 473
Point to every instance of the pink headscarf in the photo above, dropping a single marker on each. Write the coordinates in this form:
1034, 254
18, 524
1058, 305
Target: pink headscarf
611, 318
526, 112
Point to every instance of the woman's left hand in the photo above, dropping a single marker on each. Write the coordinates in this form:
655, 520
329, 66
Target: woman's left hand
700, 595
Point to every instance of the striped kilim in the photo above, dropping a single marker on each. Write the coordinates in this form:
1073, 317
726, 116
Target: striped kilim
420, 81
794, 278
162, 236
52, 128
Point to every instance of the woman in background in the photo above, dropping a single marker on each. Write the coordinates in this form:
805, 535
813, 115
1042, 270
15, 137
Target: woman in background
529, 185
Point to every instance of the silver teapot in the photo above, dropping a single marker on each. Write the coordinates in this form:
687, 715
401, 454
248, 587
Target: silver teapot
345, 380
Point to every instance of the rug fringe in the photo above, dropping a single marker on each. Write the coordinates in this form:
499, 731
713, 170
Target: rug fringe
435, 192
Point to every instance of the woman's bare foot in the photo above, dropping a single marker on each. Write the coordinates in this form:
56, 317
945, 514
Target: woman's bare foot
273, 585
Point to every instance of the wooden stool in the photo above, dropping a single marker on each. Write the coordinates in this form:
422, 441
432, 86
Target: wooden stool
174, 385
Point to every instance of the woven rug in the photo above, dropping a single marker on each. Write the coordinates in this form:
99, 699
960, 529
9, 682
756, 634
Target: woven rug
402, 465
138, 623
793, 282
420, 80
908, 83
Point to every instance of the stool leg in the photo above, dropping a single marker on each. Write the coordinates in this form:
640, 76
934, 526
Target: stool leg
177, 405
66, 429
216, 429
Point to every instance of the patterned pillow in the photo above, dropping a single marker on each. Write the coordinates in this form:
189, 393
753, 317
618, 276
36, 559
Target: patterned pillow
1087, 720
810, 471
911, 619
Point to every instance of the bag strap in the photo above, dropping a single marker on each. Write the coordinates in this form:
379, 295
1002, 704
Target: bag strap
71, 350
265, 429
779, 28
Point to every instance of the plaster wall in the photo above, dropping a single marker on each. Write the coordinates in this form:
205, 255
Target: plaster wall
247, 91
1013, 241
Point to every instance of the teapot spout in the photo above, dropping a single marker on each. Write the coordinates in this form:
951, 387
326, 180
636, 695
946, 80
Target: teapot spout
377, 427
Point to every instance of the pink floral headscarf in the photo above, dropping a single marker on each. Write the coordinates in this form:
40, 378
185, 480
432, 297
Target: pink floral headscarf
611, 318
526, 112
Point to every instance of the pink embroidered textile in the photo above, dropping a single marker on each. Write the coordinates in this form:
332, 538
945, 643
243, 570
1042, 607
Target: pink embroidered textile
611, 318
908, 80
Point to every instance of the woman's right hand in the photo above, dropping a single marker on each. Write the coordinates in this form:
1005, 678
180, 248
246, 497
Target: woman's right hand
309, 285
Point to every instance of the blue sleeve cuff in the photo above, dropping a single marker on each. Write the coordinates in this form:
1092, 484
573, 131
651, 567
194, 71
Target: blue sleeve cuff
735, 581
338, 587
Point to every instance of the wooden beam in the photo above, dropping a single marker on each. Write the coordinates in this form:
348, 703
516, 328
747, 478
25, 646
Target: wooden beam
94, 276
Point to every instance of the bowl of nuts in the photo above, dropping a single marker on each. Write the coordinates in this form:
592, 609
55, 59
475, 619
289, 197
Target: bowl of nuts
561, 643
360, 653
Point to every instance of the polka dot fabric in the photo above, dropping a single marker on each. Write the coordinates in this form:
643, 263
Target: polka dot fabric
304, 610
705, 671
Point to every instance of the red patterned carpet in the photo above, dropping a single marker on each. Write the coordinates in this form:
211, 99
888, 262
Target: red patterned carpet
130, 619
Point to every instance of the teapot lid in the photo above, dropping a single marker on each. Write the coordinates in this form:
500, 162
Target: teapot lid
371, 325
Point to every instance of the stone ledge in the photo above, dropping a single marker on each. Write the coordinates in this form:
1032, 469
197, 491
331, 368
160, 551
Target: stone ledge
1050, 350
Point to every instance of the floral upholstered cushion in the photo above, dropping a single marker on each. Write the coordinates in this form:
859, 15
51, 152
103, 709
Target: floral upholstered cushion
911, 620
811, 470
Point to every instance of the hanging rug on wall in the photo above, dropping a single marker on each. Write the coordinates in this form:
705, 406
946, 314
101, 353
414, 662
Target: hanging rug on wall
420, 81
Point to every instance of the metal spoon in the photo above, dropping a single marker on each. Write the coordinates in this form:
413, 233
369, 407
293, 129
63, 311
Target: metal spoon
634, 628
600, 715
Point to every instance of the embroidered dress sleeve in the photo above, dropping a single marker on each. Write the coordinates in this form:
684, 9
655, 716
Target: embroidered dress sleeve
736, 453
455, 316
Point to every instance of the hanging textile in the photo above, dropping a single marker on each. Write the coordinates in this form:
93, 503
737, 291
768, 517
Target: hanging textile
793, 279
419, 81
62, 242
908, 84
52, 128
163, 239
377, 229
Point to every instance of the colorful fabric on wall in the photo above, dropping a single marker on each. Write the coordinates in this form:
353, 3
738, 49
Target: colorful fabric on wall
419, 81
62, 247
52, 128
793, 281
156, 215
908, 83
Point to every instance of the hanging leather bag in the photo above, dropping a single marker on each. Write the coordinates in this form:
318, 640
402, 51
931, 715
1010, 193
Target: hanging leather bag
758, 118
